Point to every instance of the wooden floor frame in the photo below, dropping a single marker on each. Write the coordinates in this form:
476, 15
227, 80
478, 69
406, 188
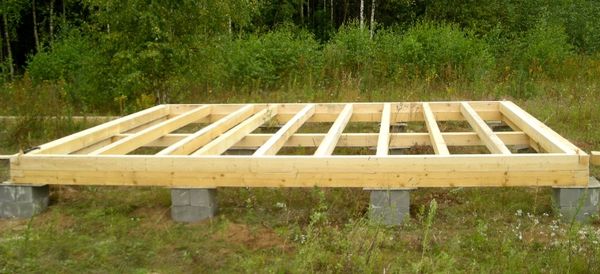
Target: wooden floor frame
102, 155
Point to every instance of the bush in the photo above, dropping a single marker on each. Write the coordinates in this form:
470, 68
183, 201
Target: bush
270, 59
350, 50
543, 49
433, 51
75, 61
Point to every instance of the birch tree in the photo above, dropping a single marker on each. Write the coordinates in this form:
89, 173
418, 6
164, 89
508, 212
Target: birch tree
362, 14
372, 25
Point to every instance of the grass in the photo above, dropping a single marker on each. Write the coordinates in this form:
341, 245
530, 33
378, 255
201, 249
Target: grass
455, 230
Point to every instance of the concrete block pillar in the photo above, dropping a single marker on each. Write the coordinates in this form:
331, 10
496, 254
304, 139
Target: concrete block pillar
193, 204
581, 203
22, 201
389, 206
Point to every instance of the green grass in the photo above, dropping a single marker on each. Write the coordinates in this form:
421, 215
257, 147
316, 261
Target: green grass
120, 229
128, 230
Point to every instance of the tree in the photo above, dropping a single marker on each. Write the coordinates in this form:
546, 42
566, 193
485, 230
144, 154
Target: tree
11, 15
362, 14
372, 25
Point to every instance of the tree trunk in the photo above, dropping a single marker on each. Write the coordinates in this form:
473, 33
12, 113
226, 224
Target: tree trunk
11, 67
64, 12
35, 27
345, 12
362, 14
302, 12
331, 15
372, 25
51, 22
308, 11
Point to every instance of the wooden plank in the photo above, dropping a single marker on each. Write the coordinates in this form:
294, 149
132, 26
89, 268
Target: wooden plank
595, 158
229, 138
277, 140
208, 133
383, 142
96, 134
485, 133
152, 133
437, 140
540, 133
254, 141
333, 135
304, 171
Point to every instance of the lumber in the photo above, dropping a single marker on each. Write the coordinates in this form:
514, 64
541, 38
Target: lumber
595, 158
254, 141
485, 133
333, 135
152, 133
108, 153
383, 142
277, 140
201, 137
95, 134
304, 171
548, 139
229, 138
437, 140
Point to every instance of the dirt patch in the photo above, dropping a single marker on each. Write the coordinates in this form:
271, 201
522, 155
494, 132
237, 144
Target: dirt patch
254, 239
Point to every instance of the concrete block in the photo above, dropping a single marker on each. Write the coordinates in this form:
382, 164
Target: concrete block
22, 209
580, 203
22, 201
23, 193
203, 197
180, 196
389, 207
189, 214
193, 204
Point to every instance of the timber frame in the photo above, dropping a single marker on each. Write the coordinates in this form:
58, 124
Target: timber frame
108, 154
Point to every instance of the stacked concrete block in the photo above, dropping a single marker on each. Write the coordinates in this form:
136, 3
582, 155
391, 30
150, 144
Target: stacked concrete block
580, 203
389, 207
193, 204
22, 201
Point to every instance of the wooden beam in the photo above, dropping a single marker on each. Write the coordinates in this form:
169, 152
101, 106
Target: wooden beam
152, 133
231, 137
393, 171
383, 142
96, 134
540, 133
595, 158
437, 140
254, 141
328, 144
203, 136
277, 140
485, 133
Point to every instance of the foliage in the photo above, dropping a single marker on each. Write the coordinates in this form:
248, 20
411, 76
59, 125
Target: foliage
432, 50
543, 49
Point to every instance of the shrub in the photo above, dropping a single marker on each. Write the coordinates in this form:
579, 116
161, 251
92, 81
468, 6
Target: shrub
434, 51
75, 61
265, 60
350, 50
543, 49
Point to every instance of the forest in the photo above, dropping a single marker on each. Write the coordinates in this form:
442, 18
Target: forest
105, 56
